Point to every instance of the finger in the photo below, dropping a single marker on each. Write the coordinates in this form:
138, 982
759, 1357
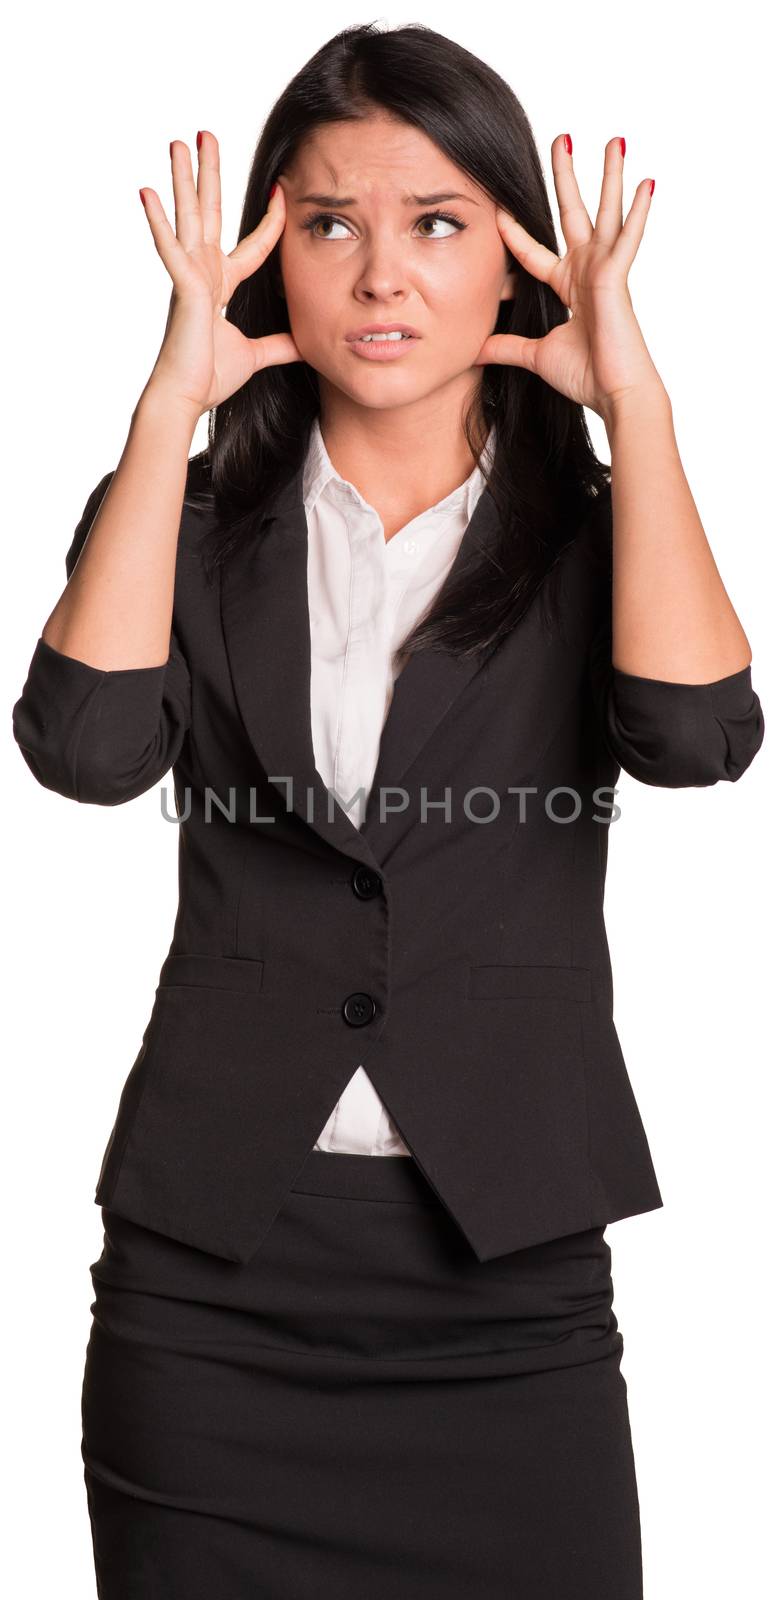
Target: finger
533, 256
609, 217
274, 350
576, 225
508, 350
164, 237
208, 187
252, 250
187, 217
630, 236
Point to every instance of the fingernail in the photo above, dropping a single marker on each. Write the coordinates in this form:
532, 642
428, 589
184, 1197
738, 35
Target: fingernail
142, 196
171, 142
622, 147
198, 141
652, 185
274, 188
568, 143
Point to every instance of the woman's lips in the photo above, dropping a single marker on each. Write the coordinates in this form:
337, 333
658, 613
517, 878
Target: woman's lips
381, 349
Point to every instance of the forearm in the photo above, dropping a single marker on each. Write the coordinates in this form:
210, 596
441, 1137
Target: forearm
672, 618
116, 610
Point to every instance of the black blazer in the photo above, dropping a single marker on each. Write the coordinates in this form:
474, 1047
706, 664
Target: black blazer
462, 958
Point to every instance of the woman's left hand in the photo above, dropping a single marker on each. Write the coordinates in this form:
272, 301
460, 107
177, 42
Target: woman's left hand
598, 357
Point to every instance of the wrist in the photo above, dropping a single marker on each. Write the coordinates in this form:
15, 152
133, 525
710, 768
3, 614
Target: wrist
641, 402
165, 404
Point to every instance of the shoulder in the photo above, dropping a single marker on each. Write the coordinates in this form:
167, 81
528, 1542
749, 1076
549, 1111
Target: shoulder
579, 580
198, 484
592, 543
587, 555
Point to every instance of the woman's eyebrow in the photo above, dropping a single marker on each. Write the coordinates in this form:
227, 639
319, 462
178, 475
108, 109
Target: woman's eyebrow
408, 199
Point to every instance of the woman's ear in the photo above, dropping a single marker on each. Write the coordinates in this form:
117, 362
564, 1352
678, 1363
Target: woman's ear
510, 285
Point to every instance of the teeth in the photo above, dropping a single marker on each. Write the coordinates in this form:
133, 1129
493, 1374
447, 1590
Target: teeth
377, 338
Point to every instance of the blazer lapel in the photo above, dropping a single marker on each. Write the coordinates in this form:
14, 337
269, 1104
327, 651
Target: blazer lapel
265, 619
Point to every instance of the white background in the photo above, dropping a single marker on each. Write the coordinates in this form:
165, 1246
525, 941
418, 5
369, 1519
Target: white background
92, 97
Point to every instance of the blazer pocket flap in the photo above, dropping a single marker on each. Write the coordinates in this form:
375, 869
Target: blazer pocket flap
212, 972
530, 983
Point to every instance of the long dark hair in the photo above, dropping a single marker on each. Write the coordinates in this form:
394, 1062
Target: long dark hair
546, 474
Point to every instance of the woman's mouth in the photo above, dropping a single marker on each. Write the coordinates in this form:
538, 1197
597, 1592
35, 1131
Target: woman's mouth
381, 346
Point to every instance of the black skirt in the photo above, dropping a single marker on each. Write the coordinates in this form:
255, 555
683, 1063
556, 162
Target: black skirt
363, 1409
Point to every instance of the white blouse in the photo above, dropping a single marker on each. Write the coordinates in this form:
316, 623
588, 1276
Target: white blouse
365, 595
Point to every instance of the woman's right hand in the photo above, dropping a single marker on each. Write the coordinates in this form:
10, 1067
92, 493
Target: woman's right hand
203, 358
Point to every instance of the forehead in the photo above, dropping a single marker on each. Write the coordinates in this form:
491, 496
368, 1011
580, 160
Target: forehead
378, 156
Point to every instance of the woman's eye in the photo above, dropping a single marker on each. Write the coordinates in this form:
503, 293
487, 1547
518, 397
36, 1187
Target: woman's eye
454, 223
448, 218
311, 224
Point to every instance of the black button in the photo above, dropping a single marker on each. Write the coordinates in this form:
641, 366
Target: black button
359, 1009
366, 882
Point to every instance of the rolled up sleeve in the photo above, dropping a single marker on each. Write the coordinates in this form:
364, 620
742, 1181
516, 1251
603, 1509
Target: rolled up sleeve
675, 735
668, 734
94, 736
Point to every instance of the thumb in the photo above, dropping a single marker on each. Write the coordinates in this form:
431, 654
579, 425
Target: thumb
508, 350
274, 350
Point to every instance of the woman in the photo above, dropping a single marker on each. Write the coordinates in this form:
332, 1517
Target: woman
310, 1370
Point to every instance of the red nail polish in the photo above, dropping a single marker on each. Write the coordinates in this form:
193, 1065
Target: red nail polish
142, 196
652, 185
171, 142
198, 141
274, 187
622, 146
568, 143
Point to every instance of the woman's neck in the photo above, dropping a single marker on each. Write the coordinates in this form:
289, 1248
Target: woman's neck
399, 462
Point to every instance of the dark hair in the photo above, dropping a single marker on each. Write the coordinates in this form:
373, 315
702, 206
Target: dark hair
545, 473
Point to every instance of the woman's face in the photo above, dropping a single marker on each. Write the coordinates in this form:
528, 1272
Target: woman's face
381, 258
